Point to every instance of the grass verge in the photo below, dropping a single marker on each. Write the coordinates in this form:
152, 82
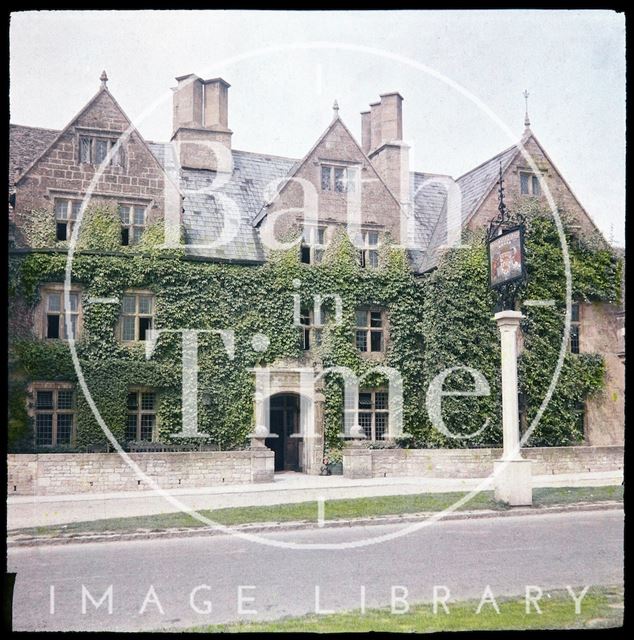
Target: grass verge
334, 510
601, 607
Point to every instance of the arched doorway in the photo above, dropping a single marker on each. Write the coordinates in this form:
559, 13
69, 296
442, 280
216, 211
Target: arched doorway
284, 422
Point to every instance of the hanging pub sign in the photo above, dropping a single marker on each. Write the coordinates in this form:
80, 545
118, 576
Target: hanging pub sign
506, 257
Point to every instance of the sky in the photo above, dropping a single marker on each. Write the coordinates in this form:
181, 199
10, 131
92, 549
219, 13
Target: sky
462, 75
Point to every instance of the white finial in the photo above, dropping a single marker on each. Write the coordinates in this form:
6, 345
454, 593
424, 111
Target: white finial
104, 78
335, 110
527, 122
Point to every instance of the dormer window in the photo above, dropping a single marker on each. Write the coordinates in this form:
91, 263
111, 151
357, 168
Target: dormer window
66, 213
338, 179
95, 149
313, 245
369, 254
132, 223
529, 184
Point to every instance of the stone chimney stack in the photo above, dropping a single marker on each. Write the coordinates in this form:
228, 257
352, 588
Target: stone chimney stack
216, 96
366, 131
382, 134
201, 123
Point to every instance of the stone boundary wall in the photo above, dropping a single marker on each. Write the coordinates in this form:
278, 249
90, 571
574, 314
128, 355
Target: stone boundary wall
64, 473
360, 462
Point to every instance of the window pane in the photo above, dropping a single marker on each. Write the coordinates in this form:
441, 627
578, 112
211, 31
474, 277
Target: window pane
125, 236
380, 425
340, 179
64, 428
145, 324
145, 304
365, 422
305, 254
376, 319
373, 238
84, 149
44, 400
130, 430
306, 339
75, 209
574, 338
133, 401
536, 188
373, 258
129, 304
61, 231
318, 336
65, 399
52, 326
365, 400
304, 318
74, 301
147, 426
61, 209
124, 214
54, 301
362, 318
148, 401
524, 183
361, 341
139, 215
44, 428
380, 400
321, 236
574, 309
128, 328
376, 341
101, 150
325, 178
319, 255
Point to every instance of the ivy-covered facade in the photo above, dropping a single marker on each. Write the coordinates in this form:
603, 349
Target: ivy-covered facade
172, 237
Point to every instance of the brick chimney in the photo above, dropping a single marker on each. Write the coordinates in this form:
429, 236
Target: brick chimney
382, 140
201, 123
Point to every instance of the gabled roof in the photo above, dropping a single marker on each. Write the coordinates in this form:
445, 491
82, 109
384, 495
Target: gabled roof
294, 170
26, 144
103, 90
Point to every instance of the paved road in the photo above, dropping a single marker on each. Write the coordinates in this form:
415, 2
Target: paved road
507, 553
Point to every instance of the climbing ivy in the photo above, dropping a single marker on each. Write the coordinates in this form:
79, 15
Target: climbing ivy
435, 321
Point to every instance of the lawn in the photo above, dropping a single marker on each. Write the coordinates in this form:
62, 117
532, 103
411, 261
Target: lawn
334, 510
601, 607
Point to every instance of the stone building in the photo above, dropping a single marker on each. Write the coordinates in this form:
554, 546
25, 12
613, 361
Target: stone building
232, 206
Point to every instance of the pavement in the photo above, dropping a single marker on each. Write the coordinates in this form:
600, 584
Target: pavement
287, 487
197, 581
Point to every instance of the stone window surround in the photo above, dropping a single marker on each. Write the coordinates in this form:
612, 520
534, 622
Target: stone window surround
357, 167
310, 246
312, 334
373, 411
525, 170
139, 411
41, 321
102, 134
125, 200
131, 224
373, 355
136, 315
32, 410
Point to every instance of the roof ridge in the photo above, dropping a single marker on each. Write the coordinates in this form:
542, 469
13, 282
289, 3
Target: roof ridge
28, 126
491, 159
